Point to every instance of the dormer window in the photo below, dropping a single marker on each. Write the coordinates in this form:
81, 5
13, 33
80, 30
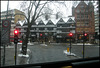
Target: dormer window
81, 6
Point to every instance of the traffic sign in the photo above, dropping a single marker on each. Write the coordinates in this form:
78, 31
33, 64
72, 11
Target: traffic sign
5, 23
5, 32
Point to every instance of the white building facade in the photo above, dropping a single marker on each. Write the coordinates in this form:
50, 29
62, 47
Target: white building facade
58, 32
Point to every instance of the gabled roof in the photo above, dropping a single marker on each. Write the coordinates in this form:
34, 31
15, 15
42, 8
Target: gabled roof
50, 23
18, 24
54, 20
25, 23
41, 23
61, 21
90, 3
33, 23
79, 3
70, 20
65, 19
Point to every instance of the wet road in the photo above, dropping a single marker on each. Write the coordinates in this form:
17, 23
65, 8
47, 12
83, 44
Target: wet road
55, 52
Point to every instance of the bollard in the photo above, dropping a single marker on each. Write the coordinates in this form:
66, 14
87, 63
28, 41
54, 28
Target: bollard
66, 67
67, 49
82, 52
14, 57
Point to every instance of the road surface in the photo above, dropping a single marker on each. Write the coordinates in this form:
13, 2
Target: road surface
49, 53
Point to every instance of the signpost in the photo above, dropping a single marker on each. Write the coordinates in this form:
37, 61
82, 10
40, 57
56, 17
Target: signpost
5, 31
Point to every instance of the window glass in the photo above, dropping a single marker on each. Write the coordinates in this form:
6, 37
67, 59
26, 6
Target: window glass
48, 31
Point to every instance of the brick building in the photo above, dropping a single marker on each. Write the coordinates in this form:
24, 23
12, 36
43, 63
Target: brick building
84, 17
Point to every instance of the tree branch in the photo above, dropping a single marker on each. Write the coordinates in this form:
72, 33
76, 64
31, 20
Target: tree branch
31, 7
29, 10
40, 10
43, 14
35, 11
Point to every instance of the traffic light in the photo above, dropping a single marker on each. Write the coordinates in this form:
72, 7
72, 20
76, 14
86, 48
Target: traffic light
70, 34
15, 36
85, 34
15, 31
40, 34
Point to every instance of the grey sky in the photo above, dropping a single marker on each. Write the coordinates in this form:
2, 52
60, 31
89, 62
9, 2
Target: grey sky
15, 5
12, 5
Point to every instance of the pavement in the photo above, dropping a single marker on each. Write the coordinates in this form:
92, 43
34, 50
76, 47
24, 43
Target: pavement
23, 59
82, 44
10, 53
11, 46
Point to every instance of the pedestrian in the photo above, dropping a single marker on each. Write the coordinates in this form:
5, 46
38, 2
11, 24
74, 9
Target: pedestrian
42, 41
49, 41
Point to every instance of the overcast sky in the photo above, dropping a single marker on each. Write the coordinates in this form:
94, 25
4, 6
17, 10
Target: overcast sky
12, 5
15, 5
